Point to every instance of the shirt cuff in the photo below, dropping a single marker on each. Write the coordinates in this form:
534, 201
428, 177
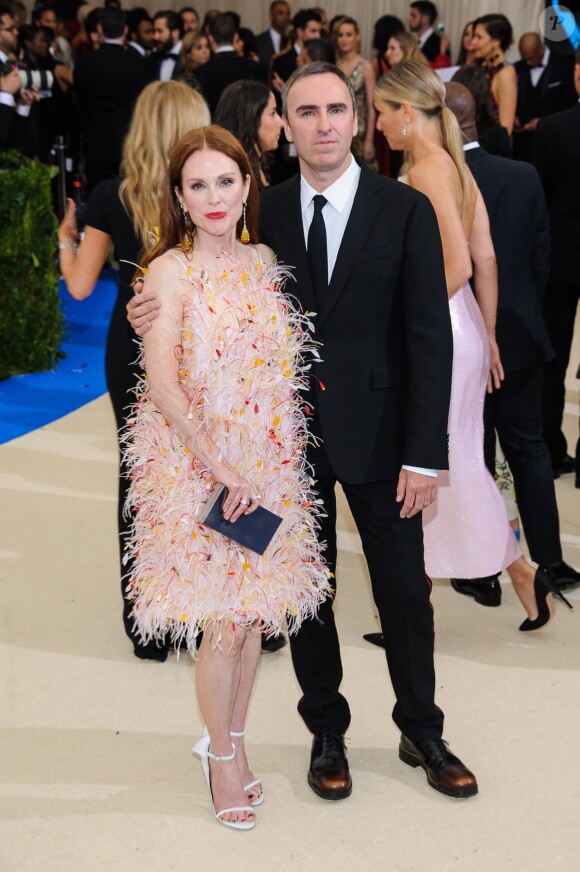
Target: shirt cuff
7, 99
421, 470
23, 110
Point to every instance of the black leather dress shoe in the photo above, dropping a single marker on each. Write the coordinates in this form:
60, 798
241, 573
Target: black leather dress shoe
485, 591
563, 576
445, 772
329, 776
568, 464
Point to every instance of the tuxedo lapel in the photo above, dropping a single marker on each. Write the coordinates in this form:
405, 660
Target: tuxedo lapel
293, 233
363, 213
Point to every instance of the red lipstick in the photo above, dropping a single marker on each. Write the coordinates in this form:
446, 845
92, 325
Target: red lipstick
214, 216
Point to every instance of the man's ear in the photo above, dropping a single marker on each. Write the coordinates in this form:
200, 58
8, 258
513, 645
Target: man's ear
287, 129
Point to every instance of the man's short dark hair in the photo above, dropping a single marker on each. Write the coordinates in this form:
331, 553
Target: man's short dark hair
112, 21
135, 17
223, 29
321, 50
303, 16
425, 7
39, 11
276, 2
173, 20
6, 10
235, 18
188, 9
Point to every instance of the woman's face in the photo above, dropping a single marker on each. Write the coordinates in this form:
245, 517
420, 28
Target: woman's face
213, 191
270, 126
390, 122
346, 38
39, 45
199, 53
467, 38
395, 53
482, 44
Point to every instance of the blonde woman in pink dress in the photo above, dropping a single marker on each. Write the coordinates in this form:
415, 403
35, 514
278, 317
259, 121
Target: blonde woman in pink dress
219, 406
466, 530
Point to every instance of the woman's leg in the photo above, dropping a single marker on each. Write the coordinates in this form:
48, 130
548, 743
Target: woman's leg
218, 673
250, 658
522, 575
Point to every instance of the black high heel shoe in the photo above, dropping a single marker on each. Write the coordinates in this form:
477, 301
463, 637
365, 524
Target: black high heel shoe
543, 587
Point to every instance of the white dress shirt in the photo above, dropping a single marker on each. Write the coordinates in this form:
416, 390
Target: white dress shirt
276, 39
336, 212
536, 73
8, 99
168, 64
424, 37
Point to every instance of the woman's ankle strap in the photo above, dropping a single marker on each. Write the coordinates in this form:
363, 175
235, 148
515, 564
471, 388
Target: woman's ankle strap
223, 758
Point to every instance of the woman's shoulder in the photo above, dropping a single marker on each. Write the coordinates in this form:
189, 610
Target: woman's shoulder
168, 265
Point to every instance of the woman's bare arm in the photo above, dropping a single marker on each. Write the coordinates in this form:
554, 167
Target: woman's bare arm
506, 97
81, 269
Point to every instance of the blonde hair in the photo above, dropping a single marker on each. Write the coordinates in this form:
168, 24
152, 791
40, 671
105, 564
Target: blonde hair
344, 19
415, 83
409, 46
189, 42
164, 112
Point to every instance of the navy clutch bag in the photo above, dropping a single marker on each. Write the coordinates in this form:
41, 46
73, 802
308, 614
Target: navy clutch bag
254, 531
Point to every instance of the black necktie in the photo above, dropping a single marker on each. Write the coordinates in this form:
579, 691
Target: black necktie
317, 252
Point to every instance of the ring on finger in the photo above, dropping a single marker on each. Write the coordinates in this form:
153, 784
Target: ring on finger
257, 497
244, 502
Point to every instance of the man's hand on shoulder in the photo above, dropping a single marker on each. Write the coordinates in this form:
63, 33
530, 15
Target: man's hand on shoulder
142, 309
416, 491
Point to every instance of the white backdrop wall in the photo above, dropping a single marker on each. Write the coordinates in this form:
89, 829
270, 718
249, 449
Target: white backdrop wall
523, 14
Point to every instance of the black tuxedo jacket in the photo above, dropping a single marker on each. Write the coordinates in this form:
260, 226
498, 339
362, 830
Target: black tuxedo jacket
520, 230
107, 84
556, 157
384, 326
153, 66
266, 51
432, 47
554, 91
221, 70
285, 63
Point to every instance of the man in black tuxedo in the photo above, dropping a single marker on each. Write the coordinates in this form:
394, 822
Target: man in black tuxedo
18, 126
520, 231
306, 25
545, 86
167, 34
273, 40
107, 84
140, 32
422, 17
367, 258
226, 65
556, 157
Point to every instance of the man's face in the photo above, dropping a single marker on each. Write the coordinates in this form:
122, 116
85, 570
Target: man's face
311, 30
577, 78
321, 122
532, 53
414, 20
145, 35
8, 34
48, 19
190, 21
162, 36
280, 17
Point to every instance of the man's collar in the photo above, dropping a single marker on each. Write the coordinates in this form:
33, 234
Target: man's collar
425, 36
469, 145
338, 193
137, 47
222, 49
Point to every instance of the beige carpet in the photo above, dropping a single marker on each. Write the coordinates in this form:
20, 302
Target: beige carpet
96, 770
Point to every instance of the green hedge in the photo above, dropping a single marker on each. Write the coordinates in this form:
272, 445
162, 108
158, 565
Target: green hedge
31, 325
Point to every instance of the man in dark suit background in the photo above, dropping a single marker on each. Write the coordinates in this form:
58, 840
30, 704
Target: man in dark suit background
520, 231
422, 17
226, 65
140, 32
556, 157
306, 25
379, 404
107, 83
273, 40
167, 35
545, 86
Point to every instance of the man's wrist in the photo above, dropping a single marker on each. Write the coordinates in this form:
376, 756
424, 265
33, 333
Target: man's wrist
432, 473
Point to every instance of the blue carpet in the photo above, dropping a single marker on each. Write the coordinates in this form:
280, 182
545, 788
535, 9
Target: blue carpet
28, 402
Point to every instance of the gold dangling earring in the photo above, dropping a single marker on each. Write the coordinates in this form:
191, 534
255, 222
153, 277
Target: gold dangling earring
245, 234
187, 241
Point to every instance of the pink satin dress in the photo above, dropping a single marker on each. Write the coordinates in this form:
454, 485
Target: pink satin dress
466, 530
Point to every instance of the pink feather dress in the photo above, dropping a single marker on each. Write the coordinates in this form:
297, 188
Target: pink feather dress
244, 353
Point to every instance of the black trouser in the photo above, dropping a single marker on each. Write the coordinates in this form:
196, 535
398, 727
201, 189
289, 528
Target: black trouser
393, 548
514, 411
559, 312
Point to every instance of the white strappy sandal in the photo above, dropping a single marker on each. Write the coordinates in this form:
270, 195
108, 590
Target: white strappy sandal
202, 750
255, 783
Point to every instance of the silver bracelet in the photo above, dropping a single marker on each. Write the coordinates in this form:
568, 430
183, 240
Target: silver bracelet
70, 243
